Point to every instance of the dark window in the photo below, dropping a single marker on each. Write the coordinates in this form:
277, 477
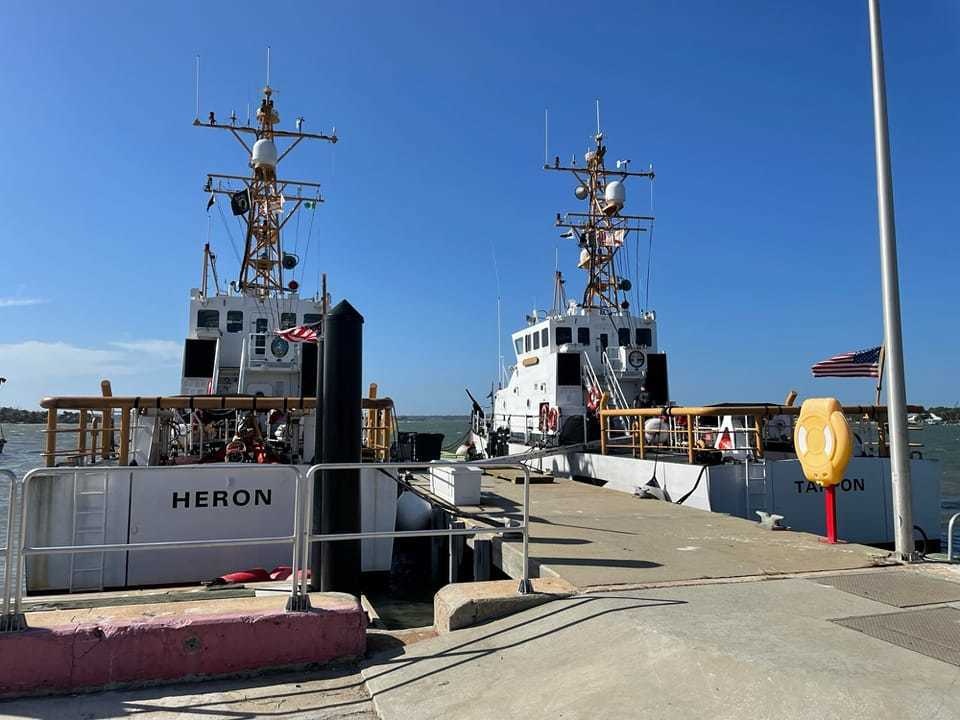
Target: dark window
545, 337
261, 325
645, 337
234, 321
518, 343
564, 335
287, 320
623, 336
604, 341
311, 318
583, 336
568, 368
536, 341
526, 343
208, 319
198, 357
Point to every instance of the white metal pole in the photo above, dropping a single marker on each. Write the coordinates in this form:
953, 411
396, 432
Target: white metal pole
893, 340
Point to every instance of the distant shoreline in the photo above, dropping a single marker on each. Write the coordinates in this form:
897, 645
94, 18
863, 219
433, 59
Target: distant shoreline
16, 416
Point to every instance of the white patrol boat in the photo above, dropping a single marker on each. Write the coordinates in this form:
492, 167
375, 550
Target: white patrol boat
591, 381
220, 459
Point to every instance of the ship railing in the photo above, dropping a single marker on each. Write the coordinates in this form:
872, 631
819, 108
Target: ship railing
301, 539
700, 433
100, 439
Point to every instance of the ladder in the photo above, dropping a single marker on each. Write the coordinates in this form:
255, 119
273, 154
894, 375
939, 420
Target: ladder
89, 528
755, 487
615, 397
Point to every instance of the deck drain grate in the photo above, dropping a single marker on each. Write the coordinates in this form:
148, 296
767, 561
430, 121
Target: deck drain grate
934, 632
897, 588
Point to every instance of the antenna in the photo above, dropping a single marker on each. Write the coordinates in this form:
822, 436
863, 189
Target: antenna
268, 68
197, 87
546, 137
598, 116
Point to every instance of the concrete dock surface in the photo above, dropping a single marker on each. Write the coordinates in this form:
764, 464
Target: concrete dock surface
592, 537
764, 649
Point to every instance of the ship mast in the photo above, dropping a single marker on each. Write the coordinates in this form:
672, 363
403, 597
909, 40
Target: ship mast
262, 198
603, 229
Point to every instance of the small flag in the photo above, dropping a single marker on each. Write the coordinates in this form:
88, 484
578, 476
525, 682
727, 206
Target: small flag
240, 202
301, 333
861, 363
211, 201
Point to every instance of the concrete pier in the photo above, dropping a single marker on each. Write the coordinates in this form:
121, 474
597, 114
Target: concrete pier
596, 538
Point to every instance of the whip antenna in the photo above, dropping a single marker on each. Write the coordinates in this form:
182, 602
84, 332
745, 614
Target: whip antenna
196, 85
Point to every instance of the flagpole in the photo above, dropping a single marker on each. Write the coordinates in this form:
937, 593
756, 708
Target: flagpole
893, 340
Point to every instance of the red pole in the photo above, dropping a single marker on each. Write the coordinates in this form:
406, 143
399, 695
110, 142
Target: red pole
830, 505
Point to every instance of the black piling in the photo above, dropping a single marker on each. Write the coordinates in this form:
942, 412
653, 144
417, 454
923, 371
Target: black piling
335, 566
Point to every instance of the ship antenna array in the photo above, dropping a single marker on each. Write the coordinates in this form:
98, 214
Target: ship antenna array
262, 199
603, 229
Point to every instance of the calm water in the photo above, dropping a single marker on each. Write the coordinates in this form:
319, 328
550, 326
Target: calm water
941, 442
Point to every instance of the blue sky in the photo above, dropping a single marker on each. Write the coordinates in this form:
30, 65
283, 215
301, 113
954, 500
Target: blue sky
757, 116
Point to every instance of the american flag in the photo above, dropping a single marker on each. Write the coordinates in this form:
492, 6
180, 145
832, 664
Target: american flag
861, 363
301, 333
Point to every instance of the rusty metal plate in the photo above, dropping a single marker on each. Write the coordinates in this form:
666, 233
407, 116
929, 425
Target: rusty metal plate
897, 588
934, 632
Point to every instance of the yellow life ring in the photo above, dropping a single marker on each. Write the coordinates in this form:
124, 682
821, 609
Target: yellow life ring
823, 441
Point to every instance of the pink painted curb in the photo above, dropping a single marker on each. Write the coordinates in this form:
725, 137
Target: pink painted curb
137, 650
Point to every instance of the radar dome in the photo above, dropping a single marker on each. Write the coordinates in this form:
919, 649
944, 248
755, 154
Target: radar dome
264, 154
615, 194
581, 192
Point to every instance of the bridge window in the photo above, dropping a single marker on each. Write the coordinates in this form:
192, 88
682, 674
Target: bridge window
583, 336
261, 325
518, 344
311, 318
645, 337
564, 335
623, 336
208, 319
604, 342
545, 337
287, 320
527, 343
536, 341
234, 321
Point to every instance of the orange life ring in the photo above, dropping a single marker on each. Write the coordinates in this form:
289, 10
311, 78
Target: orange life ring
544, 416
593, 399
552, 418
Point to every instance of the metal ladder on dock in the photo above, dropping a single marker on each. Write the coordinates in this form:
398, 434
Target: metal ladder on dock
89, 528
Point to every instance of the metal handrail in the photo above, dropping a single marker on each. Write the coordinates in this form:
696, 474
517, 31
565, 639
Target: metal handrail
299, 597
953, 519
8, 549
13, 619
301, 539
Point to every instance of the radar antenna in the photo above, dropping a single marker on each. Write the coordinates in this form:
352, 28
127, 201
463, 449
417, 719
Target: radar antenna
603, 229
261, 199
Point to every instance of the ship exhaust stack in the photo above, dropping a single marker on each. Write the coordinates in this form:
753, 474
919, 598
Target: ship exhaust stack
335, 566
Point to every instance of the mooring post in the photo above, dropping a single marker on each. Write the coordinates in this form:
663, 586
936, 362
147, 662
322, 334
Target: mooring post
335, 566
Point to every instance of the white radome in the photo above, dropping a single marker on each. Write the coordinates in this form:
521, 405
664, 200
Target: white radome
615, 193
581, 192
264, 154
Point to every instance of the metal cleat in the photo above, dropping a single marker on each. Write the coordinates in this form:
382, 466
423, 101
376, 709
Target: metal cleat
771, 521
